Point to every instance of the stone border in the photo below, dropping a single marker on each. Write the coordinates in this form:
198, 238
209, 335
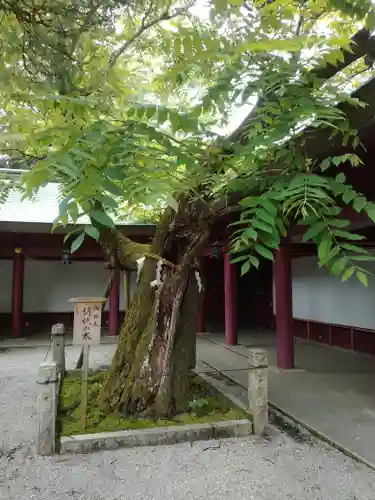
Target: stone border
156, 436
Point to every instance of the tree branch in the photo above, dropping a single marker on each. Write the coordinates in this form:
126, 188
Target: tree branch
145, 26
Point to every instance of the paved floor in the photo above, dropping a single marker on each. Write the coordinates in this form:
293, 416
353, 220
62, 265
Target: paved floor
332, 390
279, 467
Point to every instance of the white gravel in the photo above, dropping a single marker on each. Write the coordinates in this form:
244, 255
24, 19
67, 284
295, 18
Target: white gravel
278, 468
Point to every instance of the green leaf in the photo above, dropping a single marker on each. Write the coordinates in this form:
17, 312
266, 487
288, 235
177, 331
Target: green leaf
102, 218
337, 188
338, 267
340, 178
333, 211
271, 240
77, 243
250, 201
254, 261
324, 249
266, 217
162, 115
63, 205
332, 254
266, 45
309, 220
93, 232
370, 210
314, 230
347, 235
241, 222
108, 201
113, 188
362, 278
339, 222
116, 173
281, 227
245, 267
364, 258
348, 274
325, 164
348, 196
68, 235
337, 160
250, 233
359, 203
262, 226
264, 252
269, 206
353, 248
241, 258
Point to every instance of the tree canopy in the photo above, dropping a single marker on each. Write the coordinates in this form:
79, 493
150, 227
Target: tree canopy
138, 104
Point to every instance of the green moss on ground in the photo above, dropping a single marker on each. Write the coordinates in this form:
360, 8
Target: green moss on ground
206, 406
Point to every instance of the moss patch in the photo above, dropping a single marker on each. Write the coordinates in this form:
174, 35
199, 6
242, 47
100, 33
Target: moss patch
206, 405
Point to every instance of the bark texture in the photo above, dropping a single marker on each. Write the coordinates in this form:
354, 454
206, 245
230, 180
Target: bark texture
150, 372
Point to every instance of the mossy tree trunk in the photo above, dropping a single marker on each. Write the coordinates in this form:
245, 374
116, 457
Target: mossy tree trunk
150, 371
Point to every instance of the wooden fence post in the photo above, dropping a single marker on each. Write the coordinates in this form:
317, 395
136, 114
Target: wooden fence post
58, 346
258, 368
47, 409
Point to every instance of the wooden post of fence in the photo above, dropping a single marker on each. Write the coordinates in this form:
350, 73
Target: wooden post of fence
85, 374
47, 408
258, 368
58, 346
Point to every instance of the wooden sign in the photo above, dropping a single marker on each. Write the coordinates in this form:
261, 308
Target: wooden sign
87, 320
86, 332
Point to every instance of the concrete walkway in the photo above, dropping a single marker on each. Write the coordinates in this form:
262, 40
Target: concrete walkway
331, 391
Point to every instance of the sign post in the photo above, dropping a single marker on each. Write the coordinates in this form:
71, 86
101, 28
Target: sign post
86, 332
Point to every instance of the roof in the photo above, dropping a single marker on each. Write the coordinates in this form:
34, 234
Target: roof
43, 208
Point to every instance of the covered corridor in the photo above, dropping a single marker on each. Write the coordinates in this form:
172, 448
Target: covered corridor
330, 391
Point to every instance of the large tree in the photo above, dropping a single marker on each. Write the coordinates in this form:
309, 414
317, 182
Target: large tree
126, 105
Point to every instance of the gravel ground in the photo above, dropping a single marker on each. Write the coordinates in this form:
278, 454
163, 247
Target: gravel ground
277, 468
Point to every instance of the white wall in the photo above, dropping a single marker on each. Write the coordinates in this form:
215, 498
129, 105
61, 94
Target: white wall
320, 297
49, 284
6, 283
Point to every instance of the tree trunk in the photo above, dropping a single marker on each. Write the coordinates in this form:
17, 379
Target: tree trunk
150, 371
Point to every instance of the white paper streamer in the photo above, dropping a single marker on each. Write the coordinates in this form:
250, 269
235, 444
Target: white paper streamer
199, 281
140, 263
158, 279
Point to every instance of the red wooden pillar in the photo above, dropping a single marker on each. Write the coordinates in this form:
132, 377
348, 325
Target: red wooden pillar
114, 306
284, 306
200, 319
17, 292
230, 300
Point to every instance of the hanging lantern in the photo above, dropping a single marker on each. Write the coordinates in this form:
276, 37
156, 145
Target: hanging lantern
66, 256
216, 250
